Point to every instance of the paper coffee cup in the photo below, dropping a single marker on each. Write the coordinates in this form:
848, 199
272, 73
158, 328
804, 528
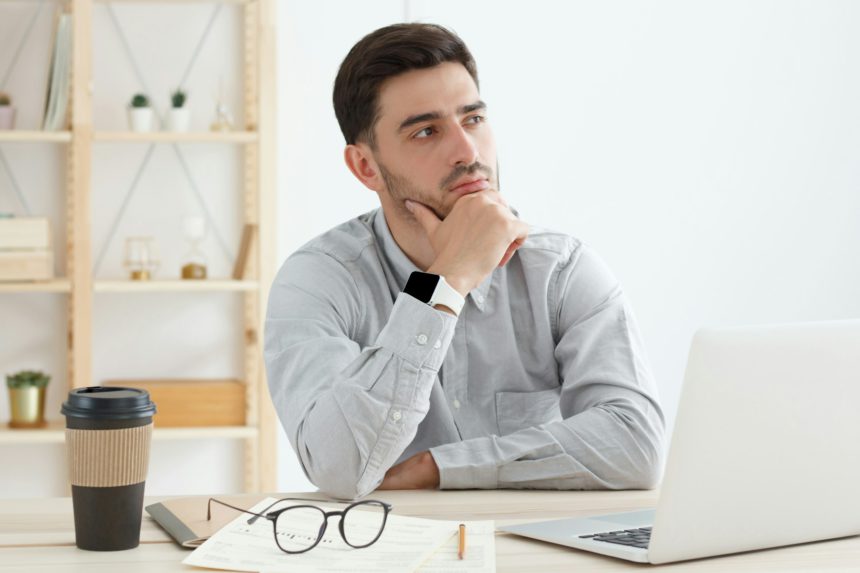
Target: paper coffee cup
108, 434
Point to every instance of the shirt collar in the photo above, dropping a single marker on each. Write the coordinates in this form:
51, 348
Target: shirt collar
402, 267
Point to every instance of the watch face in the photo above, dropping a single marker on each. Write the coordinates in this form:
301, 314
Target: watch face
421, 285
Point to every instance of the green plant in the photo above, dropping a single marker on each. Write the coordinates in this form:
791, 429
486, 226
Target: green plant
5, 99
27, 378
140, 100
178, 97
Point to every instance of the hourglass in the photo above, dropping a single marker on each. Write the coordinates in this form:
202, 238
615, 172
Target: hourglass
194, 261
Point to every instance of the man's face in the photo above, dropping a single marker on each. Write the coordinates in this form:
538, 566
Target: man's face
432, 136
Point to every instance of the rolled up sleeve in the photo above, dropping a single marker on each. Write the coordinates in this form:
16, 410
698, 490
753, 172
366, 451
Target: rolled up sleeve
348, 411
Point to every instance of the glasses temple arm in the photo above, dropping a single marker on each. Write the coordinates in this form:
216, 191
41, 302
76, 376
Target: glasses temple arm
209, 509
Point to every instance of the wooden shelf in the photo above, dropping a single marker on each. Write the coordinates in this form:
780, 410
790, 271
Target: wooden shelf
173, 1
55, 433
34, 136
170, 137
56, 285
176, 285
256, 87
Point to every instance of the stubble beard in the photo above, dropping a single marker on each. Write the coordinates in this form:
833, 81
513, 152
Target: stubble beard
401, 188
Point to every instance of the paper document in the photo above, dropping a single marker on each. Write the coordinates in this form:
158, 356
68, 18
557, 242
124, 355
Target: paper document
405, 544
480, 554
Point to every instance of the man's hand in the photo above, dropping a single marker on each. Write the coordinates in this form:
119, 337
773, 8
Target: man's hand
478, 235
418, 472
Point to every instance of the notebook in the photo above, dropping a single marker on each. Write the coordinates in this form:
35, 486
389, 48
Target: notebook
184, 518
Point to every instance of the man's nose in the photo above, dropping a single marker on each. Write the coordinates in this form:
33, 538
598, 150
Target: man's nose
464, 149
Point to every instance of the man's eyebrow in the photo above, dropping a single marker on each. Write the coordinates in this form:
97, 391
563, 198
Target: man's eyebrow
421, 117
472, 107
432, 115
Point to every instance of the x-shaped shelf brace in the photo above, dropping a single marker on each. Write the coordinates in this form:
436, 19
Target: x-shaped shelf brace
148, 156
9, 68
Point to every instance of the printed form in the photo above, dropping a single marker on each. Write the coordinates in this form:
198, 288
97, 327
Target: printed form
406, 544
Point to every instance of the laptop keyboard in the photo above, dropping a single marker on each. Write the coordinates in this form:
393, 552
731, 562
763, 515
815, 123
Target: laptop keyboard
632, 537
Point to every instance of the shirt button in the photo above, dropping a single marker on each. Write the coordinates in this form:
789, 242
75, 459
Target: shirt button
480, 298
395, 415
437, 344
421, 339
456, 404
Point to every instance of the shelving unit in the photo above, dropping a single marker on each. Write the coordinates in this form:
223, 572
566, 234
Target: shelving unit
211, 285
56, 285
164, 137
35, 136
55, 433
258, 207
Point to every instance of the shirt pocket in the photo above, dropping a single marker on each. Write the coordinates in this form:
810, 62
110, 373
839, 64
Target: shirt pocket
519, 410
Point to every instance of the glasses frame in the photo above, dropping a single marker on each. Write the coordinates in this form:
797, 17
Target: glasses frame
273, 517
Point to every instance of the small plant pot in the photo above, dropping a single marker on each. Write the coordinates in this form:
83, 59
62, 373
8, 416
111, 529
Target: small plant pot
140, 119
178, 119
28, 407
7, 117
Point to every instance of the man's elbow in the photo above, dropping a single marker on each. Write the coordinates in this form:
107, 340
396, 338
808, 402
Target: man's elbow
645, 475
341, 483
645, 469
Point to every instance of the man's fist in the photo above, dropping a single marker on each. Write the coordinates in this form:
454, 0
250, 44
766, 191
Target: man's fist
478, 235
418, 472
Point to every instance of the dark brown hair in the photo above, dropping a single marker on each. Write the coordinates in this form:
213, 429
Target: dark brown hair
383, 54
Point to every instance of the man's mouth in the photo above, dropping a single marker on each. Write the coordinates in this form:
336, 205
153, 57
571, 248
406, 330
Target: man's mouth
471, 186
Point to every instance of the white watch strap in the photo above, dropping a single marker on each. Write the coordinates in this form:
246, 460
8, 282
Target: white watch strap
447, 295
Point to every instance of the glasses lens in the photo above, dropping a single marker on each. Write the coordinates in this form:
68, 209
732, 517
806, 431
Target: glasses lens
298, 528
363, 523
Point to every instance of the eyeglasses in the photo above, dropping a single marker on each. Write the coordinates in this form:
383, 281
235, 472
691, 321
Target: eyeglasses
300, 528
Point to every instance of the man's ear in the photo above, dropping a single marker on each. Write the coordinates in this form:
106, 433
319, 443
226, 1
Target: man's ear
360, 161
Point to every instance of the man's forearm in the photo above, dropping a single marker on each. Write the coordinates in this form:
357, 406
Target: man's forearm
355, 430
596, 449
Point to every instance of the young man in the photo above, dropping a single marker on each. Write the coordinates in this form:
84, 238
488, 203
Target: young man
440, 341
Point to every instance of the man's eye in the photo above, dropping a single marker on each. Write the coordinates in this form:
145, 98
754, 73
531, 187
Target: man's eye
427, 130
479, 118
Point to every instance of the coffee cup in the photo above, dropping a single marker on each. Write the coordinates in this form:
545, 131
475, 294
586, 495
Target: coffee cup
108, 435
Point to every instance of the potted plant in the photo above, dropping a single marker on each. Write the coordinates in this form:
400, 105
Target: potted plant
179, 116
140, 114
7, 112
27, 398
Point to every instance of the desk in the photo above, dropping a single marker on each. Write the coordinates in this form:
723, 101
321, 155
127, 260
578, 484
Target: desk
38, 535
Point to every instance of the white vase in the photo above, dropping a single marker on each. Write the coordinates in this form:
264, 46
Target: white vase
178, 119
140, 119
7, 117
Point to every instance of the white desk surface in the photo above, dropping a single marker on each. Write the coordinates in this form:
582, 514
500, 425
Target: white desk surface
37, 535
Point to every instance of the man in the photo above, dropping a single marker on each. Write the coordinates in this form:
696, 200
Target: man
440, 341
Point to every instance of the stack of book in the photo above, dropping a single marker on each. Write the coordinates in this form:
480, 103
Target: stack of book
25, 249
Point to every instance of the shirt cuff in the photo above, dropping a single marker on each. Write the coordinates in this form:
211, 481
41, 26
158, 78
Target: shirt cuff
466, 465
417, 332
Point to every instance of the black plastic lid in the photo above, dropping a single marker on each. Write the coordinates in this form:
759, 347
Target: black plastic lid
108, 403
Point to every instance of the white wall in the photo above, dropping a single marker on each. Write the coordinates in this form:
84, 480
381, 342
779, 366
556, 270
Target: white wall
708, 151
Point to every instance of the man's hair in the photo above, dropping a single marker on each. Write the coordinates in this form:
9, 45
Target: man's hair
383, 54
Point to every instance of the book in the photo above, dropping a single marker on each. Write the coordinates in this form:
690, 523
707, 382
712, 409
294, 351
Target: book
59, 76
25, 249
184, 518
25, 233
26, 265
248, 232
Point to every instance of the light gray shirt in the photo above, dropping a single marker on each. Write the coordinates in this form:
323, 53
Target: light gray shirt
541, 382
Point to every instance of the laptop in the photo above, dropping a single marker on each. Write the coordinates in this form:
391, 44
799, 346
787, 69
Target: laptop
765, 451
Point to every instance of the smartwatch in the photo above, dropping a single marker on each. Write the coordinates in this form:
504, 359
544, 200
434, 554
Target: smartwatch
432, 289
